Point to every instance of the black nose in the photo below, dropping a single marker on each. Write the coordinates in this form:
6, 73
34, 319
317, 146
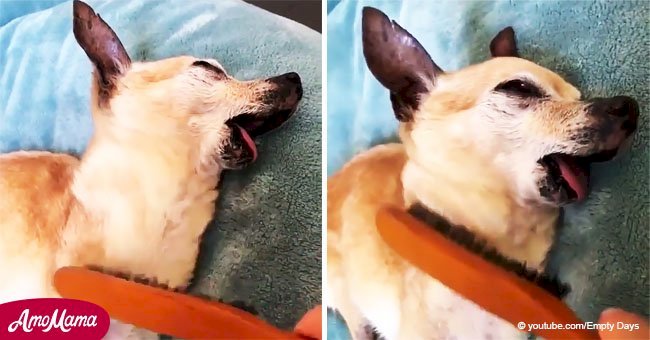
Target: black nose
622, 108
292, 77
627, 108
287, 88
287, 78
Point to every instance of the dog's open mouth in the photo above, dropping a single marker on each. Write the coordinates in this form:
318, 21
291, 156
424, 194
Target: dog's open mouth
571, 173
245, 127
258, 124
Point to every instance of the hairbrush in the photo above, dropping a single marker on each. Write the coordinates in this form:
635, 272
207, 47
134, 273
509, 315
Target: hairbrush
171, 313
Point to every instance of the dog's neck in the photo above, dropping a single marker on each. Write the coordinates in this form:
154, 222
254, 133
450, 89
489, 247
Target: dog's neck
134, 187
162, 162
465, 196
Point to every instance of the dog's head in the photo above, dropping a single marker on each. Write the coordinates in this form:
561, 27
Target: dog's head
184, 95
528, 126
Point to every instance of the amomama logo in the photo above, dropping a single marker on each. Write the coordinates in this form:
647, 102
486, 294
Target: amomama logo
52, 319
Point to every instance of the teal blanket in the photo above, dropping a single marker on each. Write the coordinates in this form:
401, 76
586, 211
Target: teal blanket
601, 47
264, 248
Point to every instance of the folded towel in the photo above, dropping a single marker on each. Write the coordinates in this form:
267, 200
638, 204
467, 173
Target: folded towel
601, 47
264, 248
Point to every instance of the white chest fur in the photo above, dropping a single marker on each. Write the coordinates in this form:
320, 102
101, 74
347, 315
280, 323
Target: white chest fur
147, 211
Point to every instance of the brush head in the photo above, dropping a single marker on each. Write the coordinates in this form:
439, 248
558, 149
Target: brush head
162, 310
468, 240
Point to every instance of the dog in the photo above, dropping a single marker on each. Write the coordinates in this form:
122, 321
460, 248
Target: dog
140, 197
498, 147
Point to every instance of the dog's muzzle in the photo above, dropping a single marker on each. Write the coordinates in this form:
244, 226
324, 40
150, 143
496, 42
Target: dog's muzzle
568, 175
279, 103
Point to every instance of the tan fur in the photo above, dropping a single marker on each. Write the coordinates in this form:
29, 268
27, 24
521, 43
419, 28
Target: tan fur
474, 168
143, 192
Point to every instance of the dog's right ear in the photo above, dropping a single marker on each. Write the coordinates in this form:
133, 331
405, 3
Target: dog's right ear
102, 46
504, 44
398, 61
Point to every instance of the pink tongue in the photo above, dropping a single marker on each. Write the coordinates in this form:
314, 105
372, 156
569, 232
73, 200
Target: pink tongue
249, 141
574, 175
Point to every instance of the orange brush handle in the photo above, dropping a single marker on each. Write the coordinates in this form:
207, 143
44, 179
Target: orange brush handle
497, 290
162, 311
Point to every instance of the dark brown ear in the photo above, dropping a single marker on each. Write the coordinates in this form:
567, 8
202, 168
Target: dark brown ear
398, 61
504, 44
101, 45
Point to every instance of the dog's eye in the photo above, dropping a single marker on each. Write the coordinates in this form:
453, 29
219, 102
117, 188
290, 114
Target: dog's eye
206, 65
520, 88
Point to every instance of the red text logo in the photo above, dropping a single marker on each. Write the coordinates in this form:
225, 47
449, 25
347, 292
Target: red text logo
52, 319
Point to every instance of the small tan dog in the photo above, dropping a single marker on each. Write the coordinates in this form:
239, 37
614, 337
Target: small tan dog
141, 196
497, 147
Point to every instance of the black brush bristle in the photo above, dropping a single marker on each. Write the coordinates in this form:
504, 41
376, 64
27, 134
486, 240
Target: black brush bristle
465, 238
154, 283
247, 307
134, 278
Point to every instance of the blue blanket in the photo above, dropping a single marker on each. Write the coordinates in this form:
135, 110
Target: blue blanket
601, 47
264, 249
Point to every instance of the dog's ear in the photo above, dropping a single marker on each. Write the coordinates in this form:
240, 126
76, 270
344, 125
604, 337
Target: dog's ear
102, 46
398, 61
504, 44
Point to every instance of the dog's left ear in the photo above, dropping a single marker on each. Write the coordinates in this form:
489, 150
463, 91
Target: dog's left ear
102, 46
398, 61
504, 44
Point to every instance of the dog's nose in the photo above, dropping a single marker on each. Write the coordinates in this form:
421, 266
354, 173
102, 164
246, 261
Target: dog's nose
292, 77
288, 87
621, 106
625, 109
288, 78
